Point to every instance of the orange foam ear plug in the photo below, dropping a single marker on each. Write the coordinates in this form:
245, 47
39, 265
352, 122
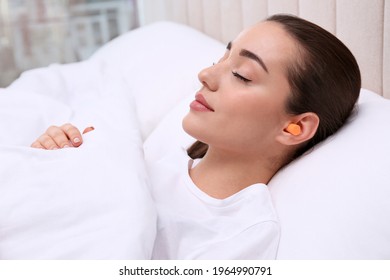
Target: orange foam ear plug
294, 129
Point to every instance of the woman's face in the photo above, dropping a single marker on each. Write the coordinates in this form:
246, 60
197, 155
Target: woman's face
241, 105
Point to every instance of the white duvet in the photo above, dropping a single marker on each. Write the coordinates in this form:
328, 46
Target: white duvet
90, 202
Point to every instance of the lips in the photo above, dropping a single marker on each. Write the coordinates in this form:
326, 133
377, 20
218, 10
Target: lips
200, 104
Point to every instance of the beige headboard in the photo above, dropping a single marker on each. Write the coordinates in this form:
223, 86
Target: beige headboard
363, 25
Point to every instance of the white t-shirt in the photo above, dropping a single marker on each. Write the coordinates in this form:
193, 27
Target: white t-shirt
193, 225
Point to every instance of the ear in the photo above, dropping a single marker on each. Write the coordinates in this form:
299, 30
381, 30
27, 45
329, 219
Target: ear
307, 126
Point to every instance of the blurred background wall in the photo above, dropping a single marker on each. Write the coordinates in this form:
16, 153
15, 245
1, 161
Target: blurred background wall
36, 33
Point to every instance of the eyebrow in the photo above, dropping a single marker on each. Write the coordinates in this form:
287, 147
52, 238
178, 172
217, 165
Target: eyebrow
250, 55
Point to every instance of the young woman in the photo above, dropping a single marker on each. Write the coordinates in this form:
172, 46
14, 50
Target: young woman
282, 86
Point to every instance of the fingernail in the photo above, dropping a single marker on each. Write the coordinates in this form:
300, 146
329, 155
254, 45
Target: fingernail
76, 140
88, 129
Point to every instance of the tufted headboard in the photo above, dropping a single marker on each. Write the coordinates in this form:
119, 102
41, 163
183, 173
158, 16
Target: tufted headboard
364, 25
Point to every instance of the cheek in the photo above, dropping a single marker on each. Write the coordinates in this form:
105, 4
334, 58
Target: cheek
254, 118
253, 111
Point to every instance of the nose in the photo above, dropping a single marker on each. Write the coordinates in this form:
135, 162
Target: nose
209, 78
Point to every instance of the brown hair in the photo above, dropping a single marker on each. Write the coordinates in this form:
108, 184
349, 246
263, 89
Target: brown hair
325, 80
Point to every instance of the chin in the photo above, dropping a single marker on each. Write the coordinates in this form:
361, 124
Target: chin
192, 127
187, 124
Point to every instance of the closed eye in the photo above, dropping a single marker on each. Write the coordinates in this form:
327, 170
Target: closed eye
238, 76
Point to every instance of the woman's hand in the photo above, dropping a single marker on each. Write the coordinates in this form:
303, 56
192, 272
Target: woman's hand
58, 137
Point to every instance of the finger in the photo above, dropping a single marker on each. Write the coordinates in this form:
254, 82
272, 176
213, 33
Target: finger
37, 145
58, 136
88, 129
47, 142
73, 134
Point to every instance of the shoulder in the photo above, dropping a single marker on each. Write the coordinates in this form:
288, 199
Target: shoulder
256, 201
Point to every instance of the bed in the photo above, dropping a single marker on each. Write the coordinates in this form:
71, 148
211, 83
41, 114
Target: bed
93, 202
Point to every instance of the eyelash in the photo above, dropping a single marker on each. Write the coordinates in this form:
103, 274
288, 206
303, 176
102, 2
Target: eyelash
238, 76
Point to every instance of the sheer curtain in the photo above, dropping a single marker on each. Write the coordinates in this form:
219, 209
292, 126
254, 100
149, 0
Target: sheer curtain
36, 33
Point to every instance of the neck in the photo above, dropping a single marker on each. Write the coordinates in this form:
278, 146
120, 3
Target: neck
221, 174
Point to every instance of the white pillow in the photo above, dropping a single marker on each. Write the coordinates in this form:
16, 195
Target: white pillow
86, 203
169, 135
